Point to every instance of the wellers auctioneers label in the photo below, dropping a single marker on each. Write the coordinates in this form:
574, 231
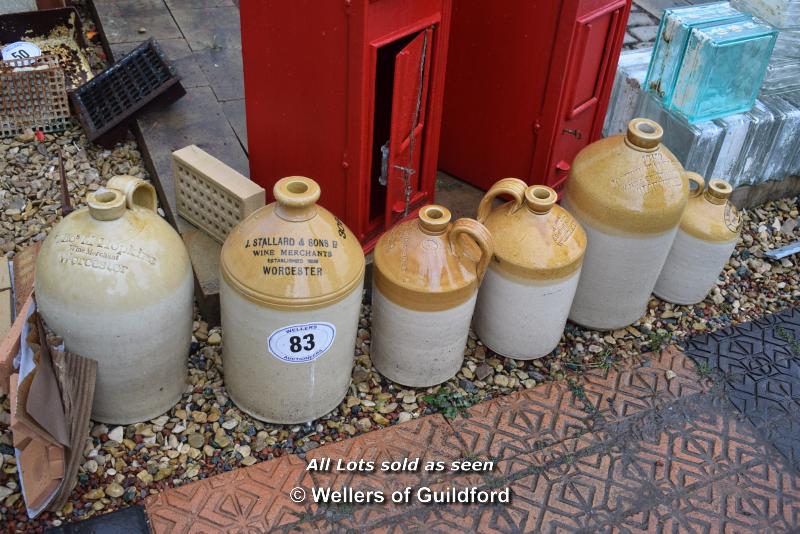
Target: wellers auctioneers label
301, 343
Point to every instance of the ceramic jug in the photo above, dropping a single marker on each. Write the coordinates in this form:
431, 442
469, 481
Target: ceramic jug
290, 296
629, 192
526, 295
704, 243
115, 281
425, 283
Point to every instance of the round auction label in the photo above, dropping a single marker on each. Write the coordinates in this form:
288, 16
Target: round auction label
20, 50
301, 343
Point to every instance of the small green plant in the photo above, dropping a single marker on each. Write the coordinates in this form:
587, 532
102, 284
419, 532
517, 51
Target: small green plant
450, 403
790, 338
658, 339
580, 394
703, 369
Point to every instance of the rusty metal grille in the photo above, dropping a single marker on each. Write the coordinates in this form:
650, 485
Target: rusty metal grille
32, 96
112, 97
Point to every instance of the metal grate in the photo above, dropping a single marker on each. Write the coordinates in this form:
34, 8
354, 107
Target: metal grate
32, 96
113, 97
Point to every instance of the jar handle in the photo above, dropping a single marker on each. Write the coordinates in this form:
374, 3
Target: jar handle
696, 179
507, 186
137, 192
480, 235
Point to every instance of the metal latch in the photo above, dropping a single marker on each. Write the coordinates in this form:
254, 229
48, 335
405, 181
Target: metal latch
384, 179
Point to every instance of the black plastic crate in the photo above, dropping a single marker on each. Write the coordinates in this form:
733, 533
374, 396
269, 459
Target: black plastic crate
141, 79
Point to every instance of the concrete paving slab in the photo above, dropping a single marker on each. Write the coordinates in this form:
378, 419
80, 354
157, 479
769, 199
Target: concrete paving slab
122, 20
223, 69
198, 119
179, 54
212, 27
237, 117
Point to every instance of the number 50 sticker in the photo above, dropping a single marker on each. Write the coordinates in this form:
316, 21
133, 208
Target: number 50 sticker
301, 343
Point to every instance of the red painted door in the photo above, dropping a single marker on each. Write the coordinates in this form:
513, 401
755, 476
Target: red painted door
409, 98
597, 37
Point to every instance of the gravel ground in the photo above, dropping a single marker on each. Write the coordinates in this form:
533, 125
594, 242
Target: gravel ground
207, 434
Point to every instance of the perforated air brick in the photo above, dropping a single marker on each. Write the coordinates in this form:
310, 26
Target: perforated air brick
32, 96
211, 195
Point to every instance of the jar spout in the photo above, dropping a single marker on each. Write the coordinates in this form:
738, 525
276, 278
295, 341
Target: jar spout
138, 192
296, 198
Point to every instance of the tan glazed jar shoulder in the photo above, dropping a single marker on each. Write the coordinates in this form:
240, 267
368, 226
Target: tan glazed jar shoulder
115, 281
425, 283
290, 295
528, 290
629, 192
706, 238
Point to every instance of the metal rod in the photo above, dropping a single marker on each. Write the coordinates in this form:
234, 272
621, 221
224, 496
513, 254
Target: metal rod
66, 205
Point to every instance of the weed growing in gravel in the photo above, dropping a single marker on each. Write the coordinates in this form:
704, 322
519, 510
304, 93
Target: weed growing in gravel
790, 338
658, 339
451, 403
703, 369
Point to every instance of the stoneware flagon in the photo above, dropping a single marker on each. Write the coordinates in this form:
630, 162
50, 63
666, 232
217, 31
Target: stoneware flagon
704, 243
290, 296
115, 281
425, 283
628, 192
526, 295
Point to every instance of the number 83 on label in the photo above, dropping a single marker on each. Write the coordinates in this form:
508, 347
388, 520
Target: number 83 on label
301, 343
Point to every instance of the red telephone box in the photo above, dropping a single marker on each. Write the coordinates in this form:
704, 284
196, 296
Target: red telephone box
349, 93
528, 83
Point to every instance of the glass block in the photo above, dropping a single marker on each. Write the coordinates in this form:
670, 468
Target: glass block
756, 146
695, 145
673, 36
787, 45
734, 134
794, 164
722, 70
781, 158
628, 83
783, 14
783, 76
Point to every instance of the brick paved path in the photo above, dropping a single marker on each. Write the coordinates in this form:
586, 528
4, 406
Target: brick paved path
652, 448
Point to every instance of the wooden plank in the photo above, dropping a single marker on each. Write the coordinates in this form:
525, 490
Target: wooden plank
204, 253
24, 270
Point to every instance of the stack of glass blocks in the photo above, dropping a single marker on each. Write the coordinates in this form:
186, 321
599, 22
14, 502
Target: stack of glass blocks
783, 72
722, 70
744, 148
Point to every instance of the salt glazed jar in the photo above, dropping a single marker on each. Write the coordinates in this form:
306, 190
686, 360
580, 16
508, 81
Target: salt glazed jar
425, 283
290, 296
704, 243
629, 192
526, 296
115, 281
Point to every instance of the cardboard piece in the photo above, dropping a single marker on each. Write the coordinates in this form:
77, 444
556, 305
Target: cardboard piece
6, 299
77, 376
9, 346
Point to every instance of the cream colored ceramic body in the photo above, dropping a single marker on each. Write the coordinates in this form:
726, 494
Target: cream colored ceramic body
271, 389
426, 278
691, 269
522, 318
418, 348
291, 288
120, 291
615, 283
629, 193
526, 296
705, 241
